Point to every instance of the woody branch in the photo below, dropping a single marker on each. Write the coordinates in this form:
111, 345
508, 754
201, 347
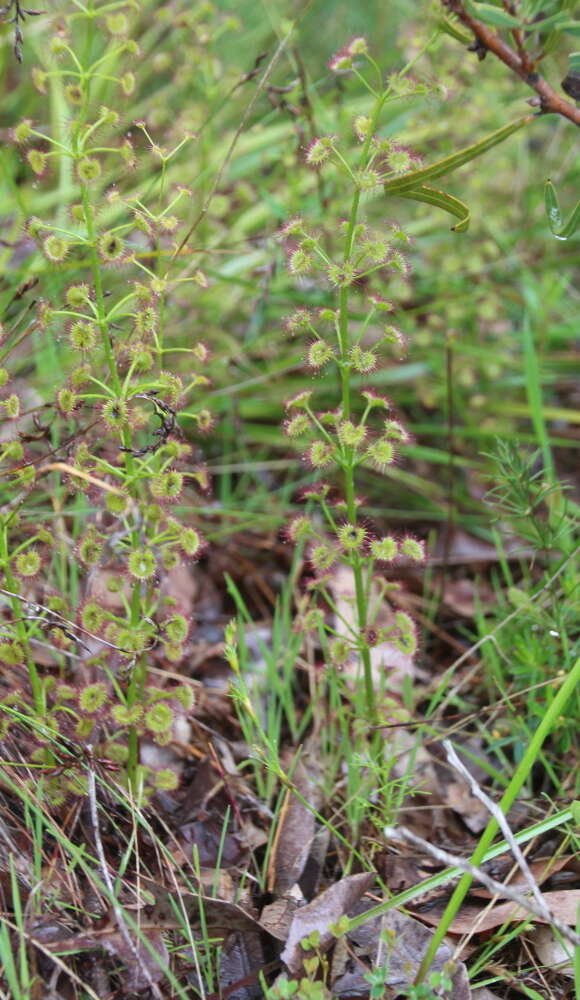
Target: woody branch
491, 41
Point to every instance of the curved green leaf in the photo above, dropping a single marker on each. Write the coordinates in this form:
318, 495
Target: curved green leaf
555, 21
560, 229
453, 29
552, 206
416, 178
572, 27
431, 196
489, 14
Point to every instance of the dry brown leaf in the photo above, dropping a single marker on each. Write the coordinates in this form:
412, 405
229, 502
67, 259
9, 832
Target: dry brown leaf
220, 915
400, 960
401, 871
473, 812
550, 952
563, 905
294, 834
241, 960
212, 845
142, 968
254, 836
310, 878
218, 883
277, 918
320, 914
413, 758
541, 869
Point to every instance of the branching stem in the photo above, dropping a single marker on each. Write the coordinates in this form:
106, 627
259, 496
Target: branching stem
491, 41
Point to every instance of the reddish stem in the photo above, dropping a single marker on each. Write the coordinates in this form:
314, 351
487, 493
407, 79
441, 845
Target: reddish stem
550, 101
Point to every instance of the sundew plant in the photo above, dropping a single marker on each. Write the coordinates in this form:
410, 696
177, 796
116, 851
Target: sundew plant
337, 439
358, 333
116, 445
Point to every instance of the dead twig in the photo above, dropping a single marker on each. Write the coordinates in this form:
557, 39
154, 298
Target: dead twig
14, 13
497, 888
503, 824
537, 907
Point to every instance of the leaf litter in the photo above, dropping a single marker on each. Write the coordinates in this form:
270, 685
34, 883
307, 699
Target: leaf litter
216, 830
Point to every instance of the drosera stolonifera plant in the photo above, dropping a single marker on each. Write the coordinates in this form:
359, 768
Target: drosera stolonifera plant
358, 275
339, 439
116, 458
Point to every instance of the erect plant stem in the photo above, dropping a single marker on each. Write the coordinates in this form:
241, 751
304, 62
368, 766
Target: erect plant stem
344, 346
98, 285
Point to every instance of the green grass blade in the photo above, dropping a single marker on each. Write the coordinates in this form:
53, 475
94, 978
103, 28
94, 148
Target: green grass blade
520, 775
534, 393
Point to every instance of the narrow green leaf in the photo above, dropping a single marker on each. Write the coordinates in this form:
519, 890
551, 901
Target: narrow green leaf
431, 196
441, 168
531, 993
489, 14
552, 206
554, 21
534, 390
574, 60
561, 230
571, 27
533, 7
454, 30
